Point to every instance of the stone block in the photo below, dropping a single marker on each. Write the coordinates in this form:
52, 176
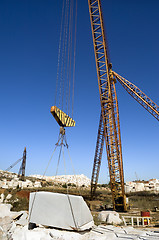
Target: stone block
110, 217
59, 210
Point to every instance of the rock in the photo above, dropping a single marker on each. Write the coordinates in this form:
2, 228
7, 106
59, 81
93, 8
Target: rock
1, 232
2, 198
36, 234
5, 210
8, 196
113, 218
5, 224
110, 217
23, 220
37, 184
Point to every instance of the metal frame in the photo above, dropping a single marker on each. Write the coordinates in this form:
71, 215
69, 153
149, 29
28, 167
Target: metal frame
21, 173
109, 127
97, 157
109, 107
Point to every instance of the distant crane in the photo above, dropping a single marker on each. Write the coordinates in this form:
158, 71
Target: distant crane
109, 126
21, 172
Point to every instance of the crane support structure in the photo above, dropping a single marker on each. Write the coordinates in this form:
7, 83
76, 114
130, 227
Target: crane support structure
139, 96
109, 106
23, 165
21, 172
97, 157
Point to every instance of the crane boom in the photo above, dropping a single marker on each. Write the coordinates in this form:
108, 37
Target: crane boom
139, 96
11, 166
109, 106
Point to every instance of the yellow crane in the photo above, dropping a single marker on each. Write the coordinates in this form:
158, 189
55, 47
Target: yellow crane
109, 125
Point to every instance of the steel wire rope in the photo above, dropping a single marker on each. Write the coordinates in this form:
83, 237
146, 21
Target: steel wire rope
49, 161
77, 184
63, 55
62, 138
64, 143
65, 168
44, 175
64, 67
70, 64
74, 60
33, 202
62, 73
59, 51
69, 57
58, 161
69, 200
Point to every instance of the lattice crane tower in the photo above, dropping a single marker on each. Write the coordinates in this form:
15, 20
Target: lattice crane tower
109, 126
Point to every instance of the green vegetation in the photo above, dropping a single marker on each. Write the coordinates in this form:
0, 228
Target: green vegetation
144, 200
20, 204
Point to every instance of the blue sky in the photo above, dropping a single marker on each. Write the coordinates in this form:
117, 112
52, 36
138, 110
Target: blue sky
28, 66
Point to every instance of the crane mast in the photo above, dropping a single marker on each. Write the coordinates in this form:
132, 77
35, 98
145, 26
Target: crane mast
109, 108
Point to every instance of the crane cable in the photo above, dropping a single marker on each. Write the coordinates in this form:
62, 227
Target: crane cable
64, 54
65, 43
69, 59
59, 51
74, 58
61, 144
66, 57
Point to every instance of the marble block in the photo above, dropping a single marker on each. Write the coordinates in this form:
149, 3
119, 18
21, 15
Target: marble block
60, 210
